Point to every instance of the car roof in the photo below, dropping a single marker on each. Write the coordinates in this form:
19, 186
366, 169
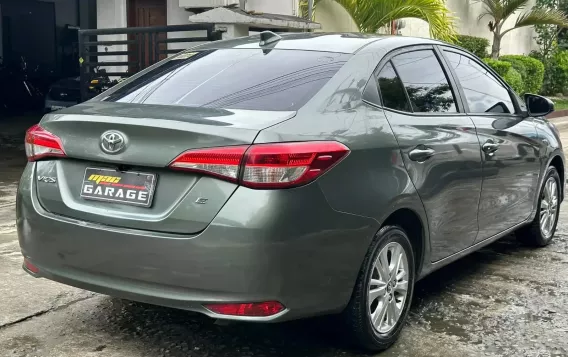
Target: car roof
303, 41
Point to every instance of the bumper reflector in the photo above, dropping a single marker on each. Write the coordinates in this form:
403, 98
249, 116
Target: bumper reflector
260, 309
30, 266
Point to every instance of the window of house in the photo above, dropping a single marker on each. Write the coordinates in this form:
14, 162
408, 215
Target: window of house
483, 92
425, 81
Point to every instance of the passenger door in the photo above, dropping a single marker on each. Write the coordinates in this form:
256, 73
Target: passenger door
510, 151
438, 143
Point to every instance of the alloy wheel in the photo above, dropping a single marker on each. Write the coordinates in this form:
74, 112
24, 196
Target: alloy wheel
548, 207
388, 288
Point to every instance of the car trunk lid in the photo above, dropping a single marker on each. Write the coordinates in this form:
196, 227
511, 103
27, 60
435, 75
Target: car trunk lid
179, 202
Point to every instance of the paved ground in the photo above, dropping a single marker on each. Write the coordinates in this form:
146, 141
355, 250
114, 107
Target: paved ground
505, 300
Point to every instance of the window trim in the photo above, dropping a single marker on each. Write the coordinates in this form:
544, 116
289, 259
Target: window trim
459, 99
516, 106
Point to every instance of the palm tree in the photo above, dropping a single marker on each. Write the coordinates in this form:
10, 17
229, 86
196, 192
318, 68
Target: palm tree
501, 10
371, 15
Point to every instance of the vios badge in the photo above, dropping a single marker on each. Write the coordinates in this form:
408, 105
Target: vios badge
47, 179
113, 142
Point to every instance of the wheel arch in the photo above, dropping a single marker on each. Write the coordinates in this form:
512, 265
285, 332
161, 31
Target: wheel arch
416, 227
558, 162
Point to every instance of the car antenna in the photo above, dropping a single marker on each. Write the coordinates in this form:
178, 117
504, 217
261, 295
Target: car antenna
268, 37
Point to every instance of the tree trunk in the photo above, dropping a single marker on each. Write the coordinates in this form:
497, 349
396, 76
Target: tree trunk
496, 45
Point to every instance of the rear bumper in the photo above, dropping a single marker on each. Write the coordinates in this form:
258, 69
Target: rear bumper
287, 246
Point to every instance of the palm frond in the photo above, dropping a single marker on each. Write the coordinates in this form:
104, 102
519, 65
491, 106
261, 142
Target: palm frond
304, 9
512, 6
500, 10
493, 8
371, 15
542, 17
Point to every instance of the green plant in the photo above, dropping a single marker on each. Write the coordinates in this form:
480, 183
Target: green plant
501, 67
371, 15
508, 73
515, 80
530, 69
556, 73
476, 45
548, 35
501, 10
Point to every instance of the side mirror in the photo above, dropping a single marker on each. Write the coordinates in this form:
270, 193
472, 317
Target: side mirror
538, 106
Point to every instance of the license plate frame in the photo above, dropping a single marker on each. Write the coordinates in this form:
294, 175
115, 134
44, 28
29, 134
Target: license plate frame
130, 188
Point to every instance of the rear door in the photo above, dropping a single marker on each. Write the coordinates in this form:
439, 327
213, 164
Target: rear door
438, 142
119, 146
510, 151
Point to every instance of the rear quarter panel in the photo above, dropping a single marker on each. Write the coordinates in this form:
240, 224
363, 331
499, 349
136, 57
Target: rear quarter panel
371, 181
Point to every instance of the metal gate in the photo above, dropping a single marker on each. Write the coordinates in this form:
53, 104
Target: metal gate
140, 47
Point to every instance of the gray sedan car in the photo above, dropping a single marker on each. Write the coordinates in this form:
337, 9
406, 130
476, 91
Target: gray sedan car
279, 177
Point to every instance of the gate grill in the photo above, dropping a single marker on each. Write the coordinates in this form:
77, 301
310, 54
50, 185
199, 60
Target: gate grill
142, 47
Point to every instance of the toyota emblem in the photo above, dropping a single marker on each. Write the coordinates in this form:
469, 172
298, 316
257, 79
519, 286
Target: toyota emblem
113, 142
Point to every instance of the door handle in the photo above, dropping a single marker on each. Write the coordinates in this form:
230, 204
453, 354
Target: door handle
490, 147
421, 153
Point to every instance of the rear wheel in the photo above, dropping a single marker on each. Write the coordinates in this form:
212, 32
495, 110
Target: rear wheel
541, 230
383, 291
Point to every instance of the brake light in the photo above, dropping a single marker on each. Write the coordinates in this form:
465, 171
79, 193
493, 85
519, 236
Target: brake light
281, 165
261, 309
40, 143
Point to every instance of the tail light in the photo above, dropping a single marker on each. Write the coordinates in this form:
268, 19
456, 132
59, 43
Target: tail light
40, 143
261, 309
268, 166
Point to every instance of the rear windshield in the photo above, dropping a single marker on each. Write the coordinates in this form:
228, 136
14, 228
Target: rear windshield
281, 80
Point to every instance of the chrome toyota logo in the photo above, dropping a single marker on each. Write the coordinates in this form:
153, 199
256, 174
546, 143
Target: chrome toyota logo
113, 142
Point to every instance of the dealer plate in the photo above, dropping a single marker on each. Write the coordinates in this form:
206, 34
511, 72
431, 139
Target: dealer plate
129, 188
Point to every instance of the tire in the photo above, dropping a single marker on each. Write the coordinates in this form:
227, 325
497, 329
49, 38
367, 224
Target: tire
358, 313
534, 234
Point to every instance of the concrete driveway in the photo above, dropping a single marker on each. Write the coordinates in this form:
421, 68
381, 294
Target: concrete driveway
506, 300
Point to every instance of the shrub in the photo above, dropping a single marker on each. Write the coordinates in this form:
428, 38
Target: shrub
556, 73
500, 67
508, 73
515, 80
530, 69
476, 45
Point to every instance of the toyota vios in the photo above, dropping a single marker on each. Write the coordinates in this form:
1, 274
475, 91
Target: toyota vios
279, 177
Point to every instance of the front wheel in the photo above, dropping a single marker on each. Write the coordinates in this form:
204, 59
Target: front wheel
382, 295
541, 230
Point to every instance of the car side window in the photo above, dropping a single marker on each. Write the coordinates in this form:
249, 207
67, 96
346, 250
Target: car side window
392, 91
425, 81
483, 92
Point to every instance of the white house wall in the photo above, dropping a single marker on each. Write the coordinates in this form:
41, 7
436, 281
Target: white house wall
282, 7
334, 18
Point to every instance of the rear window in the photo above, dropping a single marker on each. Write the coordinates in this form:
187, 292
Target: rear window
254, 79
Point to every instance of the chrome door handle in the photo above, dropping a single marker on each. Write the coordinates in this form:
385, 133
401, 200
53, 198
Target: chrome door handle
421, 153
490, 147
